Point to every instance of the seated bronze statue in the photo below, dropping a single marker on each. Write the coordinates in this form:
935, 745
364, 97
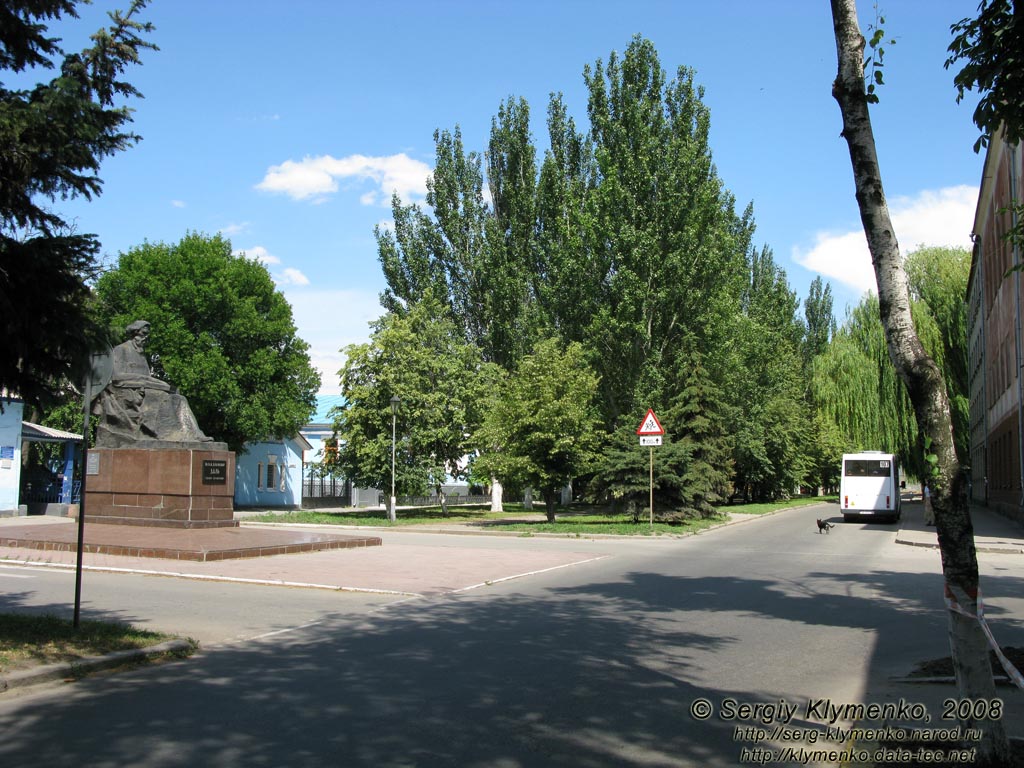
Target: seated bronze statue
136, 407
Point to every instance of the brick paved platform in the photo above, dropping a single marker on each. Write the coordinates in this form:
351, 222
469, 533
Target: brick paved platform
201, 545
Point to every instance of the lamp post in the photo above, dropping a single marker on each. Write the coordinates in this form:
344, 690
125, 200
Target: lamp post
394, 413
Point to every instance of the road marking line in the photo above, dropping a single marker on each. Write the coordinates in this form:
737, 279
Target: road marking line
528, 573
20, 567
285, 630
230, 579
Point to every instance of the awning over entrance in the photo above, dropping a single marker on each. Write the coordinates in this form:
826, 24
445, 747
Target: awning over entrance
59, 487
37, 433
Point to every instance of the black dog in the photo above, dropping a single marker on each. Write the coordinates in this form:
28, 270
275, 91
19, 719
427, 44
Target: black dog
824, 525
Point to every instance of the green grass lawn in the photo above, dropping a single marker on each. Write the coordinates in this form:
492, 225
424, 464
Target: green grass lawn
578, 519
28, 640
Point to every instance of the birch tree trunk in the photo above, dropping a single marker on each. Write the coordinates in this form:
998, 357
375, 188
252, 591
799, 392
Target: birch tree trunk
923, 380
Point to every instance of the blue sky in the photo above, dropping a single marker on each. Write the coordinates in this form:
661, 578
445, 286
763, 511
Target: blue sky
286, 126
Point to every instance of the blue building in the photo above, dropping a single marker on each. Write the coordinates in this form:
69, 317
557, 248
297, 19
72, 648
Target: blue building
285, 474
47, 485
10, 455
269, 473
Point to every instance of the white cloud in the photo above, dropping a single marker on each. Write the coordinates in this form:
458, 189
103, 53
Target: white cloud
258, 253
286, 276
178, 203
235, 229
329, 321
313, 178
291, 276
942, 217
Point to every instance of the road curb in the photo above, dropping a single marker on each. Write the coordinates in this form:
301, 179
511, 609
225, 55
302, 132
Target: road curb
79, 668
465, 530
999, 549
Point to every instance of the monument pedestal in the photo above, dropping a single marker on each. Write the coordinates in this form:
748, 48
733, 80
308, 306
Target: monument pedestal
168, 487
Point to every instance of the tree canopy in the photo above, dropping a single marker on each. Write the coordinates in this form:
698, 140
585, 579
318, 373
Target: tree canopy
623, 239
541, 427
221, 333
990, 45
440, 380
53, 138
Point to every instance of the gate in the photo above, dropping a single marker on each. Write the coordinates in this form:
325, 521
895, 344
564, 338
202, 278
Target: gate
322, 489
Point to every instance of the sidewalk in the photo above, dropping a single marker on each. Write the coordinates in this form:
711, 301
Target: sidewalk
992, 532
400, 566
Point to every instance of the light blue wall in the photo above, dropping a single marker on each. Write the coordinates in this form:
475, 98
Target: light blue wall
10, 454
251, 492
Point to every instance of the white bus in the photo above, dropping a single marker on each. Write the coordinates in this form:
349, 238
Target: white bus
870, 485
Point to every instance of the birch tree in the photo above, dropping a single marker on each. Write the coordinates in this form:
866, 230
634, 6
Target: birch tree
923, 379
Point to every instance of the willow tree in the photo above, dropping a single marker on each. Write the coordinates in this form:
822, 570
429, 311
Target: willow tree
938, 279
854, 386
923, 379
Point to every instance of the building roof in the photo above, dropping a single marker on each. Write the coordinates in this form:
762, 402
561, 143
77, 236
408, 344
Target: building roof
324, 404
40, 434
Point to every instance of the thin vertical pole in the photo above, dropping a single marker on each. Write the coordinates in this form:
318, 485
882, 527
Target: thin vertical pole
391, 515
652, 486
81, 501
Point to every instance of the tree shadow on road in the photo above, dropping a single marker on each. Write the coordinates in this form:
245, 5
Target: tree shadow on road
599, 674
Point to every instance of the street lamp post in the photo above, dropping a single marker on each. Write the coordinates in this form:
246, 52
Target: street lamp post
394, 413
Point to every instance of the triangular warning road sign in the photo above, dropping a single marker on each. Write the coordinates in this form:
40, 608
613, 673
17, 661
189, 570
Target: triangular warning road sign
650, 425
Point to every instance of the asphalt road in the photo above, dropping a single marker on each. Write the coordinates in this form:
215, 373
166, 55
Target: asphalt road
598, 664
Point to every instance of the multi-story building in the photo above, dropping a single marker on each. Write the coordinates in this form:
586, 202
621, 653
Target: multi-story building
995, 299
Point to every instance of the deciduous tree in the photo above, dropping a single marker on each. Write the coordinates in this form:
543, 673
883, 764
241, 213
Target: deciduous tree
666, 244
540, 427
221, 333
420, 357
923, 379
768, 417
819, 321
937, 279
989, 46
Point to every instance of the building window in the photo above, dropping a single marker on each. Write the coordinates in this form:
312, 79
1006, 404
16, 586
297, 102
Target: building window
283, 475
271, 469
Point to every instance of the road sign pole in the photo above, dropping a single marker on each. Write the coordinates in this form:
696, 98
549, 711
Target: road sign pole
652, 485
76, 622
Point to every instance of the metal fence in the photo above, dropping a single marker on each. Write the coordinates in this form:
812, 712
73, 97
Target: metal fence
326, 491
49, 492
453, 500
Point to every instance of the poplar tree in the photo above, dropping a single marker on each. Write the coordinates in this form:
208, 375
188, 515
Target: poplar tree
509, 268
820, 323
769, 417
667, 248
568, 281
924, 382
